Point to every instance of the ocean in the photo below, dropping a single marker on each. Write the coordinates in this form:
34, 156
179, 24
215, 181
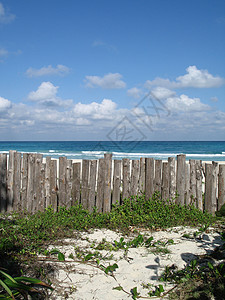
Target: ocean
207, 151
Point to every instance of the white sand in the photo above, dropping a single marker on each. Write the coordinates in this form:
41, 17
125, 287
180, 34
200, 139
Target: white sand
81, 281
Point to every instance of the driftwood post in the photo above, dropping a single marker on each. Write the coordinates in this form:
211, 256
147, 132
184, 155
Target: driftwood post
172, 177
149, 177
69, 183
100, 184
37, 182
62, 180
181, 178
53, 185
199, 184
116, 181
107, 187
187, 184
17, 181
85, 184
10, 181
165, 181
126, 178
3, 182
92, 185
134, 178
210, 194
221, 186
47, 182
142, 175
30, 181
193, 183
158, 176
76, 183
24, 175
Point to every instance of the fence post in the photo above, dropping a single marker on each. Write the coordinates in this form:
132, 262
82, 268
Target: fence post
181, 178
30, 182
100, 184
199, 185
134, 178
62, 180
142, 175
24, 175
221, 186
85, 183
53, 185
165, 181
3, 182
210, 195
92, 185
172, 178
193, 183
187, 184
116, 182
10, 181
149, 178
47, 182
158, 177
126, 178
69, 183
107, 187
76, 183
17, 181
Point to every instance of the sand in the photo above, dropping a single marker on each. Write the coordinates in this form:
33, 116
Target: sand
141, 266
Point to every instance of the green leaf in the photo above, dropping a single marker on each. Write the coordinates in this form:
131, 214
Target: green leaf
88, 256
61, 256
32, 280
210, 266
7, 276
161, 289
118, 288
6, 288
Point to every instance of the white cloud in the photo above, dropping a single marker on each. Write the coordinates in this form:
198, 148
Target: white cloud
162, 93
214, 99
184, 103
108, 81
46, 95
5, 104
194, 78
104, 110
100, 43
5, 17
49, 70
134, 92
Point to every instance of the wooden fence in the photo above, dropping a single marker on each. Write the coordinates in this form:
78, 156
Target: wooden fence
29, 182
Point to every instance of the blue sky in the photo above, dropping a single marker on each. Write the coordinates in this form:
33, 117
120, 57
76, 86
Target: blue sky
89, 70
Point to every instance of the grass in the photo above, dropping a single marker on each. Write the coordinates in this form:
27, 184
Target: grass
23, 236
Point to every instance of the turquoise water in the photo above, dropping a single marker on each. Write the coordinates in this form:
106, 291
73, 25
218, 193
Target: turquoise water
133, 150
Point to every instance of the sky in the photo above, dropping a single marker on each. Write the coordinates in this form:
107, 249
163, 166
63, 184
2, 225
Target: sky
112, 70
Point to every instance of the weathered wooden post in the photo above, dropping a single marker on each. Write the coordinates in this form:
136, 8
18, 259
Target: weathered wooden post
187, 184
107, 186
172, 178
92, 184
221, 186
158, 176
181, 178
62, 180
69, 183
30, 181
116, 181
100, 184
193, 182
3, 182
54, 185
142, 175
85, 183
10, 181
149, 177
76, 183
165, 181
17, 181
134, 178
199, 185
210, 195
47, 182
126, 178
24, 175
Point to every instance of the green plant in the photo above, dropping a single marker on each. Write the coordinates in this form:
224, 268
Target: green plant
13, 287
